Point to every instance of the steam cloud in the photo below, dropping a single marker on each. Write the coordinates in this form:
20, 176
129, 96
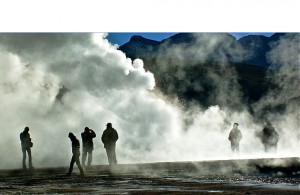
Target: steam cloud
102, 85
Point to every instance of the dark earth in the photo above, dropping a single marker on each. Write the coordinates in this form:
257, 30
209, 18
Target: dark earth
249, 176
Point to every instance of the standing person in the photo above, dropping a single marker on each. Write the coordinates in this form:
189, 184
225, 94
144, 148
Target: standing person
76, 154
270, 137
87, 145
109, 139
26, 145
235, 137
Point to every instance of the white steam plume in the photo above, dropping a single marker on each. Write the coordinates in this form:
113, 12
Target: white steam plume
281, 104
102, 86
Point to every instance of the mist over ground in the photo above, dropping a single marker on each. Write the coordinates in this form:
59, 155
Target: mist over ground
61, 83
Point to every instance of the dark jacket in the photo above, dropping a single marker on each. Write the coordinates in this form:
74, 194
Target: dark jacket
75, 146
25, 140
235, 135
270, 136
87, 139
109, 136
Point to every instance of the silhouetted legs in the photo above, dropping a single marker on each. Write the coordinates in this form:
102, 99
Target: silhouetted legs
111, 154
235, 146
270, 147
84, 153
89, 153
75, 158
28, 150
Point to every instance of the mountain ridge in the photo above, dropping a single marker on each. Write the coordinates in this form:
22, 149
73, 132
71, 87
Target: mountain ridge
138, 46
209, 68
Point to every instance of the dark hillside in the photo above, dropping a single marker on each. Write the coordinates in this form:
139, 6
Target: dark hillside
234, 67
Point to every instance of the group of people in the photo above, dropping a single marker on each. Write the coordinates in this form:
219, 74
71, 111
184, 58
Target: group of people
269, 137
109, 139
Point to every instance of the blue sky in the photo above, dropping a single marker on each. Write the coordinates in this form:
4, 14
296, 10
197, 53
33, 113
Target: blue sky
121, 38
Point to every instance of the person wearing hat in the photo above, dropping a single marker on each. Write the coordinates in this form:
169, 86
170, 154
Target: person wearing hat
235, 137
26, 145
87, 145
109, 139
76, 154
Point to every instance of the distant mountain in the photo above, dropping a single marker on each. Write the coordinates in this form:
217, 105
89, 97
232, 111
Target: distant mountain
180, 38
255, 46
139, 46
207, 68
258, 46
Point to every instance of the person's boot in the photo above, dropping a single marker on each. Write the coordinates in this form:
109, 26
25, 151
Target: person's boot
82, 174
24, 166
31, 167
69, 173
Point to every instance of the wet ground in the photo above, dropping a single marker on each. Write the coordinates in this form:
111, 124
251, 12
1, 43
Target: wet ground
213, 177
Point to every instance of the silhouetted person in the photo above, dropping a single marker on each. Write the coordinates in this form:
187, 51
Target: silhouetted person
109, 139
76, 154
235, 137
87, 145
270, 137
26, 145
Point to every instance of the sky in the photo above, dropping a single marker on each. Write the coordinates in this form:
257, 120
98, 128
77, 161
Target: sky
121, 38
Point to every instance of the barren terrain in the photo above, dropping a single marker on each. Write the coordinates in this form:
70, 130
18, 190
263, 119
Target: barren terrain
252, 176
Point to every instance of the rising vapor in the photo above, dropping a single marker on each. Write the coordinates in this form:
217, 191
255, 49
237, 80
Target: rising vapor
102, 86
57, 83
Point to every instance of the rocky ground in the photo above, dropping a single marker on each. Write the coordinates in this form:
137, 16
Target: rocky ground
256, 176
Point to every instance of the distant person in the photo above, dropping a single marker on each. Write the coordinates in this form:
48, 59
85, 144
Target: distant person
76, 154
87, 145
26, 144
109, 139
235, 137
270, 137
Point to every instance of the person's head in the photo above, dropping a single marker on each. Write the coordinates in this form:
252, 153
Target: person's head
108, 125
86, 129
26, 129
269, 123
71, 135
235, 125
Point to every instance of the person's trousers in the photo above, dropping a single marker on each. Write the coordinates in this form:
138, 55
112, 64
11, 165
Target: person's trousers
75, 158
28, 150
235, 147
270, 147
111, 154
89, 153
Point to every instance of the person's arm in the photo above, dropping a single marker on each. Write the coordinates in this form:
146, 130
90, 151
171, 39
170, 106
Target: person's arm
28, 139
230, 136
93, 134
103, 137
116, 136
276, 135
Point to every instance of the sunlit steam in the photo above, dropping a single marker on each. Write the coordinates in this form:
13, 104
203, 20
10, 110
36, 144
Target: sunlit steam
57, 83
